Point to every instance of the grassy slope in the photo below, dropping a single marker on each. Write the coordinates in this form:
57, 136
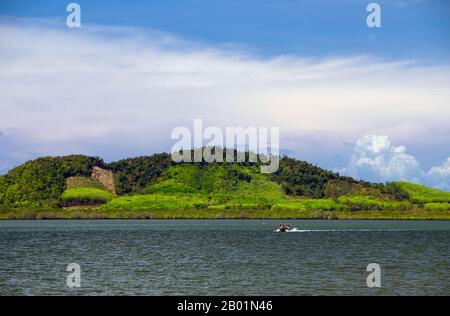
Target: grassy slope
86, 196
422, 194
83, 182
222, 186
85, 191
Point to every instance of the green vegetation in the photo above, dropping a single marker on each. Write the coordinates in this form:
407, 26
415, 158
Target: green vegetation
421, 194
41, 182
83, 182
310, 205
155, 187
85, 196
365, 203
201, 186
95, 213
437, 207
303, 179
132, 175
85, 191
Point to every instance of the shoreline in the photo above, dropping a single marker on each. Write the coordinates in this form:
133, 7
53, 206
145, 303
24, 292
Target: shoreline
226, 219
94, 213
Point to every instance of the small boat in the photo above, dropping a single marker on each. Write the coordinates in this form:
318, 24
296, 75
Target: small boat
284, 228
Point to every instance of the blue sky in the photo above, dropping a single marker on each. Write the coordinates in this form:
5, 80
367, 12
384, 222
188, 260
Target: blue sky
369, 102
410, 28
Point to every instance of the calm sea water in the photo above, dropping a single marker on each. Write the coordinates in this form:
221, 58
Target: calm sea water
224, 257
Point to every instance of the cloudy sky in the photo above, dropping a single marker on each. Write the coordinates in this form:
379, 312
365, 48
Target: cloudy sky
373, 103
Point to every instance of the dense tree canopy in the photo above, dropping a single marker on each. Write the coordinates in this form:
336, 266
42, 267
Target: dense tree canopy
301, 178
134, 174
41, 182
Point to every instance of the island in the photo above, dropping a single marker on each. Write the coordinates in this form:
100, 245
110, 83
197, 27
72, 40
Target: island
155, 187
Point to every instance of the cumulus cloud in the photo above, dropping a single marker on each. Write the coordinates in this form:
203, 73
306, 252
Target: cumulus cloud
375, 159
119, 92
440, 176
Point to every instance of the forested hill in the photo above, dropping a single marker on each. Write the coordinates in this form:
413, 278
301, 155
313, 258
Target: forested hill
41, 182
44, 182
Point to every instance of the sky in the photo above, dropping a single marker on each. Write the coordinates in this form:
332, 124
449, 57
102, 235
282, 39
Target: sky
372, 103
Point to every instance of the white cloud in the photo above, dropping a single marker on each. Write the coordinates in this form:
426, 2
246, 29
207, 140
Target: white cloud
440, 176
104, 90
375, 159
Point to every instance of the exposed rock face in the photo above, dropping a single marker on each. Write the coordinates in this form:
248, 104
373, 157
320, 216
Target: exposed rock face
105, 177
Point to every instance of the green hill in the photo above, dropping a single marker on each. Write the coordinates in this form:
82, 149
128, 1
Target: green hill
155, 187
41, 182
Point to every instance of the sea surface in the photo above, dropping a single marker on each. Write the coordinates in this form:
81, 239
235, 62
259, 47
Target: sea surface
224, 257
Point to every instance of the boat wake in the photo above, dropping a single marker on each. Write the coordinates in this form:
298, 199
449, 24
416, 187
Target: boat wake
295, 230
292, 230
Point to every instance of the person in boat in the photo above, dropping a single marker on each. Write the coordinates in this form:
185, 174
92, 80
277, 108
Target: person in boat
282, 228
